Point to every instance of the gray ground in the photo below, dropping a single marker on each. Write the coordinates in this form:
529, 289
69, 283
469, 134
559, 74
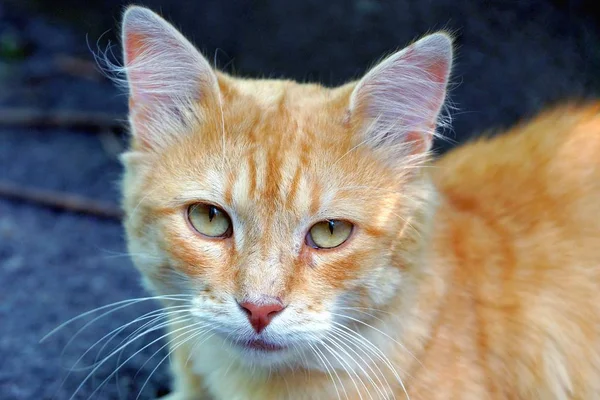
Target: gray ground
512, 60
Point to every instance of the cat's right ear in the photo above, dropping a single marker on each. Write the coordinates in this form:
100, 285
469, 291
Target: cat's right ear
167, 77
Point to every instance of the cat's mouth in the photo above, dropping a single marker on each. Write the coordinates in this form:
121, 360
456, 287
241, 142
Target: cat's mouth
259, 345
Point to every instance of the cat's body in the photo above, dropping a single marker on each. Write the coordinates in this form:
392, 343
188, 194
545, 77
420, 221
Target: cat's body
518, 227
319, 253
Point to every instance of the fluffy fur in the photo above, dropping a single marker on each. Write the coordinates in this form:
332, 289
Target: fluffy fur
475, 277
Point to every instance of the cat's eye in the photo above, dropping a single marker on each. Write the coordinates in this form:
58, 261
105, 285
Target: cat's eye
328, 234
209, 220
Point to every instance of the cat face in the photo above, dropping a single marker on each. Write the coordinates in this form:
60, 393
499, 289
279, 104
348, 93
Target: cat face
282, 210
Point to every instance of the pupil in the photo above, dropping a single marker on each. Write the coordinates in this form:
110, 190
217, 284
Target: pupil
212, 211
331, 226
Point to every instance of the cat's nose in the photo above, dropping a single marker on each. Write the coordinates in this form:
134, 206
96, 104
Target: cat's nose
260, 315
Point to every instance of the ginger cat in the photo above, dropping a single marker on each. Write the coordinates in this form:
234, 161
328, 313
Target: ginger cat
318, 253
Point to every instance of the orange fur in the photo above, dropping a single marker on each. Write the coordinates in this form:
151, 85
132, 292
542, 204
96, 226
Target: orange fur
518, 223
476, 276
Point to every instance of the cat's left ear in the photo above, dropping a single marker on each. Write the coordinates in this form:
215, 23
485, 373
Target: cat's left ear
397, 104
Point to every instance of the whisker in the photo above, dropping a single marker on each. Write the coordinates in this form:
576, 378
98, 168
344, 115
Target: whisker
118, 305
165, 357
325, 363
175, 347
196, 326
362, 312
156, 324
116, 371
189, 328
376, 310
135, 209
112, 334
338, 343
303, 357
362, 341
153, 325
228, 367
192, 349
121, 304
88, 377
376, 330
343, 341
348, 369
130, 255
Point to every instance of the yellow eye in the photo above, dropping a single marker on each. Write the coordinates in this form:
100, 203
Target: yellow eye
328, 234
209, 220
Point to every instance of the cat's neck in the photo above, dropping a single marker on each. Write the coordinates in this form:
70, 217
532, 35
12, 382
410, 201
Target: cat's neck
413, 314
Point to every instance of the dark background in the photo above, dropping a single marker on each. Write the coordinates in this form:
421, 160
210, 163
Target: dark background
513, 59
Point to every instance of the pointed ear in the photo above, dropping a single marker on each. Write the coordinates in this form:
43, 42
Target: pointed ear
168, 79
396, 105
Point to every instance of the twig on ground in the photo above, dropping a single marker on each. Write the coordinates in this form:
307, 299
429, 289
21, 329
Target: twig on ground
60, 201
32, 118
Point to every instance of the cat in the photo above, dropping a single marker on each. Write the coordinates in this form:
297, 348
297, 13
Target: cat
317, 250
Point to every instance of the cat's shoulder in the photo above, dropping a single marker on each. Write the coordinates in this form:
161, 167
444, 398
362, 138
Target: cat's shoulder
553, 156
518, 221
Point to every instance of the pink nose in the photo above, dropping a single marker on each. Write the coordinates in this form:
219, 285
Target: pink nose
261, 315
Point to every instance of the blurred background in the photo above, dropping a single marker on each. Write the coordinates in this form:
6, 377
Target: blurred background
61, 244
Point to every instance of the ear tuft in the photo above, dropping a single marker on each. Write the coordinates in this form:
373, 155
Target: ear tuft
166, 76
398, 102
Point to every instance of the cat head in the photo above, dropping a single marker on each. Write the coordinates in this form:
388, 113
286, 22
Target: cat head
284, 211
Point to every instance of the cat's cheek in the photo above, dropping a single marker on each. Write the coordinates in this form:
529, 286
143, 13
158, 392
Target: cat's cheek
376, 289
335, 275
146, 252
387, 281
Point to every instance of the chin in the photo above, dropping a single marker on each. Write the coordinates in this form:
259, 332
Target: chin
279, 359
261, 352
268, 351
